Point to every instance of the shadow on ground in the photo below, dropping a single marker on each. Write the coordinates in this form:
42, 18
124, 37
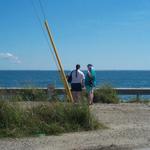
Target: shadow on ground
111, 147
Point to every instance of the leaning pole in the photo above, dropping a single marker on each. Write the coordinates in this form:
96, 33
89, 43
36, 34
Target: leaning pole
63, 76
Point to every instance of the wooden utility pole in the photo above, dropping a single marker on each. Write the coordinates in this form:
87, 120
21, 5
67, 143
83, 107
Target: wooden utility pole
65, 82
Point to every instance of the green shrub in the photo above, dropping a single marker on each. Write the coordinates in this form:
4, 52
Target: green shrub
10, 115
31, 94
47, 119
106, 94
34, 95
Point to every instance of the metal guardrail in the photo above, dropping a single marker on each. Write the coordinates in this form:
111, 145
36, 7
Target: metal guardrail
133, 91
119, 91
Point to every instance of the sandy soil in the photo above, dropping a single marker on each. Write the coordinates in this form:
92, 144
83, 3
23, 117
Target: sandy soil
129, 129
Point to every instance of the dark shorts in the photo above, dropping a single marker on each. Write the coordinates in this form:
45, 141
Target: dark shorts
76, 87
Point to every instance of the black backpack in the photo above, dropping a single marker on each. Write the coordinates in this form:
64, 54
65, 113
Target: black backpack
70, 77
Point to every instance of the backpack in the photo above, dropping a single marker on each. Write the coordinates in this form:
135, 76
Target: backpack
70, 77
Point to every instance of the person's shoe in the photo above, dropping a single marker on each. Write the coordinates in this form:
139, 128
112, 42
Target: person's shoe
91, 103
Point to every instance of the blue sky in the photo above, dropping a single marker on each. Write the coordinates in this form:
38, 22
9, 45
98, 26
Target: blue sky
110, 34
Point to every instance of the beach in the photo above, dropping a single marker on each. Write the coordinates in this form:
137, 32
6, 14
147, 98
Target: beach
57, 58
128, 129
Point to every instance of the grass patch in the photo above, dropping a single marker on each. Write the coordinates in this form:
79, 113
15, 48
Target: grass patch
32, 94
106, 94
50, 119
140, 101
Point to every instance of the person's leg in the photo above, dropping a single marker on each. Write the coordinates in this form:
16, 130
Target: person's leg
91, 96
88, 93
74, 96
73, 89
79, 92
78, 96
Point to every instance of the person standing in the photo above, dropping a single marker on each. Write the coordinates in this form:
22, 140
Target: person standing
90, 82
76, 78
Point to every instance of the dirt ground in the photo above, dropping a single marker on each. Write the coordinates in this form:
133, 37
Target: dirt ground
128, 129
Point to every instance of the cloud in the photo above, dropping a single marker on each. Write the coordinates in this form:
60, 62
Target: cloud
11, 57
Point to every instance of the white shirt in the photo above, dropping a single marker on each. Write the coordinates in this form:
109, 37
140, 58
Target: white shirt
79, 78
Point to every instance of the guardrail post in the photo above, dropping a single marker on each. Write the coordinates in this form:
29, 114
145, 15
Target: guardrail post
50, 91
138, 97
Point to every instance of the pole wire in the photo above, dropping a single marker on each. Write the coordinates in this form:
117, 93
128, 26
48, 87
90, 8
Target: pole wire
46, 38
41, 26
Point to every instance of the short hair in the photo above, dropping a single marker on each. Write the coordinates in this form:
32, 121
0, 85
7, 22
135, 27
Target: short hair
89, 65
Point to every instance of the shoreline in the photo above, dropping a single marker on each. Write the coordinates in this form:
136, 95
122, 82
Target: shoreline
138, 93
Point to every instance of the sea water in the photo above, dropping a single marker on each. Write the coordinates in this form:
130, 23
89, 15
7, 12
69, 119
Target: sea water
118, 79
128, 79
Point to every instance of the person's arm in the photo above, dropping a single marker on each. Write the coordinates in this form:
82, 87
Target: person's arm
93, 77
82, 79
83, 76
90, 74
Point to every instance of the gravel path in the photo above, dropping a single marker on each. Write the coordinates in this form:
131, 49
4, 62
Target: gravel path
129, 129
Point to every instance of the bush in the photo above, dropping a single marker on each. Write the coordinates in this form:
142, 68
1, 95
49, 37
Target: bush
106, 94
10, 115
33, 95
11, 119
53, 118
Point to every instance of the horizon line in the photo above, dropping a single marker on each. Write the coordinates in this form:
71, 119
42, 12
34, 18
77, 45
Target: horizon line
72, 69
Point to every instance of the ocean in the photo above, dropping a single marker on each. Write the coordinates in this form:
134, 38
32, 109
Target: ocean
127, 79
